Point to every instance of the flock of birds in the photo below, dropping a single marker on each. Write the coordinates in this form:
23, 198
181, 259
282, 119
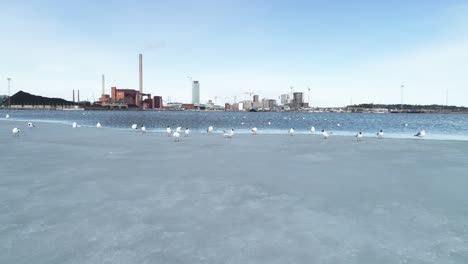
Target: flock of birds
227, 134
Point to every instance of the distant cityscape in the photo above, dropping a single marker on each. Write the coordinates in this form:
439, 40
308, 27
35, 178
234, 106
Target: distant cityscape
124, 99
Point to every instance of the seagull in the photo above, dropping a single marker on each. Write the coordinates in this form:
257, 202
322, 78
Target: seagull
7, 116
143, 129
98, 125
291, 131
312, 130
134, 126
242, 123
325, 134
359, 136
31, 124
168, 130
16, 131
187, 131
254, 131
210, 129
74, 125
380, 134
178, 129
421, 134
228, 134
338, 125
176, 136
269, 123
405, 124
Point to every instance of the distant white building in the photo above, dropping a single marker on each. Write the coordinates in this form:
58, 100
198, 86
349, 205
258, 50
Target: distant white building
195, 93
285, 99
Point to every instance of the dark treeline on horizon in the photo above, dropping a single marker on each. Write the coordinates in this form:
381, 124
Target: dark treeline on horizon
412, 107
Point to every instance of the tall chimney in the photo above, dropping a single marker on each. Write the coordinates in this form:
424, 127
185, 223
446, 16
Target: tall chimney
78, 95
141, 73
73, 95
103, 86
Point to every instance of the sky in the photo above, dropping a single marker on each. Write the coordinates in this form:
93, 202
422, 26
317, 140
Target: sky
344, 51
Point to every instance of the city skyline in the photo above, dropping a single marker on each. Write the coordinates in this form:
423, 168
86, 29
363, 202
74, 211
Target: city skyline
360, 52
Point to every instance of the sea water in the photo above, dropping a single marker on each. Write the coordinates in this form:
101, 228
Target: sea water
437, 126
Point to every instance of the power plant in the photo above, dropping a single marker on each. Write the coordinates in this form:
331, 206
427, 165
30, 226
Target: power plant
129, 97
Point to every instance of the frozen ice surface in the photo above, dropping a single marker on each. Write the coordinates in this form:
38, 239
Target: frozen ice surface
92, 195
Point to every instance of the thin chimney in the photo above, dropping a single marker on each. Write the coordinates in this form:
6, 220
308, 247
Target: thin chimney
73, 95
78, 95
141, 73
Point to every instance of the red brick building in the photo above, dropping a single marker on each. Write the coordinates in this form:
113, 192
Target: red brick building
126, 96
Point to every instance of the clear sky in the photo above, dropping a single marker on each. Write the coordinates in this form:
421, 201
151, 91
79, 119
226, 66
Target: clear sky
343, 50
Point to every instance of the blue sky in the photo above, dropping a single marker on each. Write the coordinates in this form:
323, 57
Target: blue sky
343, 50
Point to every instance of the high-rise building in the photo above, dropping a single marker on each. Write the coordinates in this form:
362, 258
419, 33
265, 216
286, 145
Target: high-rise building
195, 93
255, 98
297, 99
285, 99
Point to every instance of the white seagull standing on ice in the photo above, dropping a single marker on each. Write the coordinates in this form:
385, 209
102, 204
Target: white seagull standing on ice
359, 136
168, 130
228, 134
187, 131
380, 134
176, 136
421, 134
31, 124
291, 131
74, 125
312, 130
210, 129
143, 129
16, 131
98, 125
134, 126
254, 131
325, 134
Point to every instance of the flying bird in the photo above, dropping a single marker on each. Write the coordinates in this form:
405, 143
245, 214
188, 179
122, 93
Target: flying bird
178, 129
7, 116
